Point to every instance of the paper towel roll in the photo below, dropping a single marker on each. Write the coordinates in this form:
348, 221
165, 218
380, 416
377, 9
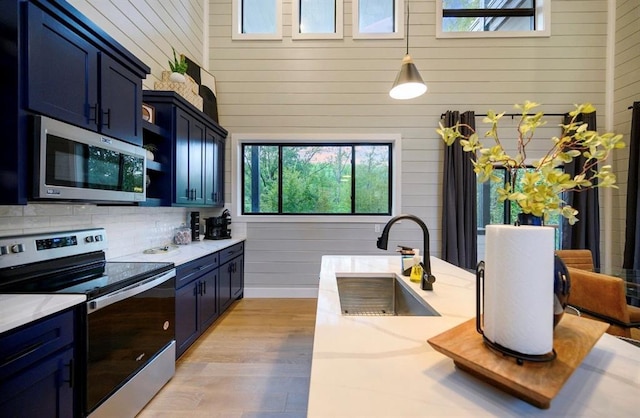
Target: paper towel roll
518, 287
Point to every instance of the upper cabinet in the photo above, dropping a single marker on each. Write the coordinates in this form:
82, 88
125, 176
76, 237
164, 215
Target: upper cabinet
198, 150
57, 63
70, 77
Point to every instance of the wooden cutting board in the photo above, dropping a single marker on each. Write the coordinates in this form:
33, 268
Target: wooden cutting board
535, 383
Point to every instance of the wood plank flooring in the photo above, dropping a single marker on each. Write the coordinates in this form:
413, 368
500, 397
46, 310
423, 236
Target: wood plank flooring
255, 361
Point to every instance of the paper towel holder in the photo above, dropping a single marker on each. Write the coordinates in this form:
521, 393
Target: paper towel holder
520, 357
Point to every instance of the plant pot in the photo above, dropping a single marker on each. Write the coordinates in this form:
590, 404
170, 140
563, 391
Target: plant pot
177, 78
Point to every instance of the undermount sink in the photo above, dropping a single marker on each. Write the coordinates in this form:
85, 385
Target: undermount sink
379, 295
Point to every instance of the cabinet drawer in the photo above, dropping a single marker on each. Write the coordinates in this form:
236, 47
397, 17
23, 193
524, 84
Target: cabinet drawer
19, 349
189, 271
231, 252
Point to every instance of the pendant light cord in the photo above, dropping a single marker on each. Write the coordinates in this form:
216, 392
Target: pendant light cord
407, 27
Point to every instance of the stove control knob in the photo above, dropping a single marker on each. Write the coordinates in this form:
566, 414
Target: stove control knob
89, 238
98, 238
4, 250
17, 248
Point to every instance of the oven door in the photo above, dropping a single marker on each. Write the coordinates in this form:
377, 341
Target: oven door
126, 329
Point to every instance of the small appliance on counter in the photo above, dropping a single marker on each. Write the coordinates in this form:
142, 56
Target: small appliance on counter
195, 226
218, 227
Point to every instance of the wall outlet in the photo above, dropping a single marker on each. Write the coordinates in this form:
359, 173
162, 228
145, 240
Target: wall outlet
376, 227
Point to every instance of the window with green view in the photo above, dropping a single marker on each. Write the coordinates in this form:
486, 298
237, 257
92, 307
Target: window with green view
316, 178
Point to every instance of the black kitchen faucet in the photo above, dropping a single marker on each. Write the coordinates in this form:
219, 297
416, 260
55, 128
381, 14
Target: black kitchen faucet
426, 283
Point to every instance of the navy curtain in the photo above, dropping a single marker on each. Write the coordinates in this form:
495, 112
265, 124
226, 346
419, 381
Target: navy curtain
632, 234
459, 223
585, 234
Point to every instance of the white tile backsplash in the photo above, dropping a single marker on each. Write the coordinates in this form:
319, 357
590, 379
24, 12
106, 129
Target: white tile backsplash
129, 229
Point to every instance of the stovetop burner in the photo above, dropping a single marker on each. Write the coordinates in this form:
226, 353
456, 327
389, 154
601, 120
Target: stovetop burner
67, 262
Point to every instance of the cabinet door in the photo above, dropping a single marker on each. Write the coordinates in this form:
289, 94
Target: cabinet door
189, 155
208, 299
120, 101
237, 277
62, 71
214, 169
224, 286
187, 329
42, 390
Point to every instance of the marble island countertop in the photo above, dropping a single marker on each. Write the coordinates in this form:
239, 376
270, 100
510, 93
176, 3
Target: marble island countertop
380, 366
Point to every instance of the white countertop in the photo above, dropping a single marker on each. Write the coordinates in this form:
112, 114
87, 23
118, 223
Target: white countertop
17, 310
184, 253
20, 309
383, 366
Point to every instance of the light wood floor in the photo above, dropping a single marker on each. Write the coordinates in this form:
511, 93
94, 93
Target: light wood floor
255, 361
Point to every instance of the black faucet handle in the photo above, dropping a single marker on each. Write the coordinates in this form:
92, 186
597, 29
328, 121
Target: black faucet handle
428, 279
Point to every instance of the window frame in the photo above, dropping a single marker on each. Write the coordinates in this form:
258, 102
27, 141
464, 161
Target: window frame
238, 139
338, 22
399, 18
542, 19
236, 26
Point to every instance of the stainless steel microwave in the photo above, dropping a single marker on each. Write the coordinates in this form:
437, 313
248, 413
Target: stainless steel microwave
76, 164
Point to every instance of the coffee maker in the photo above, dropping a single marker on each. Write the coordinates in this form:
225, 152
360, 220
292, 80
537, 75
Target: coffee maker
218, 227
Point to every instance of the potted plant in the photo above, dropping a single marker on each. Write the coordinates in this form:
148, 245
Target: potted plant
178, 68
544, 185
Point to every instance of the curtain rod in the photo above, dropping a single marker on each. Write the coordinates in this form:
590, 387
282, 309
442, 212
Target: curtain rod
513, 115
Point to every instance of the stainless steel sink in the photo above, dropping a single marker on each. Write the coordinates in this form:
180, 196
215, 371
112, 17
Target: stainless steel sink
380, 295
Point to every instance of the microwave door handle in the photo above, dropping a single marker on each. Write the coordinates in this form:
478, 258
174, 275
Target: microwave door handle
129, 291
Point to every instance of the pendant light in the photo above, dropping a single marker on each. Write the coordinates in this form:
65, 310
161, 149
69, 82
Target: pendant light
408, 84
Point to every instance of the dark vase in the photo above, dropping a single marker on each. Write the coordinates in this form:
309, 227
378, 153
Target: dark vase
561, 278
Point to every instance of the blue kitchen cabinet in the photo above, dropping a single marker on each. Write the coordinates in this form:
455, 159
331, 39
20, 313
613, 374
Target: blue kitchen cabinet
196, 300
37, 369
197, 156
189, 163
214, 158
231, 281
71, 79
58, 63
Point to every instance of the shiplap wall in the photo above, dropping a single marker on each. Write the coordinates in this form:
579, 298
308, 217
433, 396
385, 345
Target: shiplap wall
627, 91
148, 29
341, 86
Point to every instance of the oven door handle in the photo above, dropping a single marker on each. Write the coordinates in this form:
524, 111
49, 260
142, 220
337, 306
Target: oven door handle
129, 291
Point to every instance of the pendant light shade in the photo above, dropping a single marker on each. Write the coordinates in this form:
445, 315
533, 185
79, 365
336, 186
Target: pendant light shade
408, 84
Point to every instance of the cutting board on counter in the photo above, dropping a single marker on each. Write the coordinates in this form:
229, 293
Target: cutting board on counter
535, 383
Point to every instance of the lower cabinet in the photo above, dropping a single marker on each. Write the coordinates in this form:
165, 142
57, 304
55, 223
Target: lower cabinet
37, 369
205, 288
231, 275
196, 300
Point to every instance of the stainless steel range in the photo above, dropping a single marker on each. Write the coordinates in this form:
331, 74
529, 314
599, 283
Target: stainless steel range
127, 338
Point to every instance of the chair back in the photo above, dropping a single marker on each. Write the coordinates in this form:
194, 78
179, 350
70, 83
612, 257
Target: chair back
599, 295
580, 259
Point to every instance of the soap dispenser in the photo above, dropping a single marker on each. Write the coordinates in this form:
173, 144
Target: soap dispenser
416, 269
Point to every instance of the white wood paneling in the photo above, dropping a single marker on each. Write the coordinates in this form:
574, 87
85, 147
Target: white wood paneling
342, 86
626, 91
150, 28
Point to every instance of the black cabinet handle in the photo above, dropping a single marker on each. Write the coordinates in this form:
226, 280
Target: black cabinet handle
204, 288
200, 288
93, 118
71, 373
108, 118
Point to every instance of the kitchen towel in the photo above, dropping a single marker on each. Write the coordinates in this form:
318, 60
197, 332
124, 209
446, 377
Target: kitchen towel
518, 287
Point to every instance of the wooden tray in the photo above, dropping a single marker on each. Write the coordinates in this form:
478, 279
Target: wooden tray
535, 383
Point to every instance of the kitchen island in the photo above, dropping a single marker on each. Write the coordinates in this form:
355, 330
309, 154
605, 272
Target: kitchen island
383, 366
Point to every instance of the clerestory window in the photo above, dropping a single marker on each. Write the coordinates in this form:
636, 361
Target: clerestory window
492, 18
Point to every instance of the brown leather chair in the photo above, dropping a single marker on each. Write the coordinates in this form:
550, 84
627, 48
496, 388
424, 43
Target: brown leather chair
580, 259
603, 297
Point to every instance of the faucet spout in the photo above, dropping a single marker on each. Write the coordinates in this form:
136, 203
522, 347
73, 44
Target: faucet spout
383, 241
